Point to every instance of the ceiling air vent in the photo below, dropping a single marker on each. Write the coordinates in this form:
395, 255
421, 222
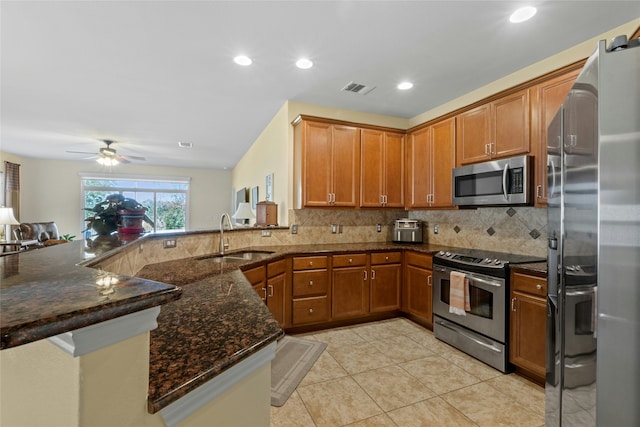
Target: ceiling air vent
358, 88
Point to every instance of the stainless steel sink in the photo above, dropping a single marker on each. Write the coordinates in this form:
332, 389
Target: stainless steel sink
236, 256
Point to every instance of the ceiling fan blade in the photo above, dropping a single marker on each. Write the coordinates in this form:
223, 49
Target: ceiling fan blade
133, 157
122, 159
83, 152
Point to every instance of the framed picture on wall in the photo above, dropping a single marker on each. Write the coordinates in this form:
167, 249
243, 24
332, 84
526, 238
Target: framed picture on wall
254, 197
269, 191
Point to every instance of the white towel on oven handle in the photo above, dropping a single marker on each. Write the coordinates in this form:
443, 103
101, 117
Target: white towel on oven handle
459, 302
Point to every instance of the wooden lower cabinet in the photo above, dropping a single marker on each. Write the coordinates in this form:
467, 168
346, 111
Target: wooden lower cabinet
385, 281
528, 324
418, 281
311, 297
270, 283
350, 286
277, 291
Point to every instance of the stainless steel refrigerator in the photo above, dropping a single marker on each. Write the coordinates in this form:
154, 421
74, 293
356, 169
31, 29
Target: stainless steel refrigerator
593, 302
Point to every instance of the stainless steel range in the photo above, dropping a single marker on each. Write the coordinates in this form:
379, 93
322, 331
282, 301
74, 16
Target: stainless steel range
482, 331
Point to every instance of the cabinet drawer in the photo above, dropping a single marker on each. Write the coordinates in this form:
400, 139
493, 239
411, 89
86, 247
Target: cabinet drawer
310, 310
307, 283
349, 260
255, 275
419, 259
276, 268
309, 262
530, 284
378, 258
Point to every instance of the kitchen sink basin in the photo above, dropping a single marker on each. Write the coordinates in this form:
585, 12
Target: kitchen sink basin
236, 256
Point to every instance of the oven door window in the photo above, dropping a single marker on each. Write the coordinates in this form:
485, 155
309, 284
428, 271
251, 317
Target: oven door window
481, 300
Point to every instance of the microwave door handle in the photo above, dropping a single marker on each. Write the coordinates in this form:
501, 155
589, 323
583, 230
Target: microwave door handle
504, 181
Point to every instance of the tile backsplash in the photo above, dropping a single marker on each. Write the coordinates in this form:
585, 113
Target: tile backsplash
518, 230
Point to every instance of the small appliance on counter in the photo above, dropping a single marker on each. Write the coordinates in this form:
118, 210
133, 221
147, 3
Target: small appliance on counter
407, 230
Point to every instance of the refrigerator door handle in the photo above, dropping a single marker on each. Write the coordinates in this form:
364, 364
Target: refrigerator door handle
594, 312
552, 261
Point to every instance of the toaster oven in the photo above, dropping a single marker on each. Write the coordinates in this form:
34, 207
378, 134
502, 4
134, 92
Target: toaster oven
407, 231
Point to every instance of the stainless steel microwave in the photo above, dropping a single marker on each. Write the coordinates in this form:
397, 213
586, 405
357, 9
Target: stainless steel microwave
494, 183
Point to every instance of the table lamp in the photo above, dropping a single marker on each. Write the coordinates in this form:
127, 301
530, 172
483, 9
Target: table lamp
243, 212
6, 218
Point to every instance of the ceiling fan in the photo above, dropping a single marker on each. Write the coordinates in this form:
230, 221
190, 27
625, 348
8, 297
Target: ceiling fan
108, 156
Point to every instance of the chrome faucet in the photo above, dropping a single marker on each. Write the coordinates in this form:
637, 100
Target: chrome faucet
224, 245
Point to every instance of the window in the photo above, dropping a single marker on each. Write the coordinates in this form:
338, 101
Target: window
165, 198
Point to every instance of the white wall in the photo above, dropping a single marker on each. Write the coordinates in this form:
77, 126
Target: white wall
50, 191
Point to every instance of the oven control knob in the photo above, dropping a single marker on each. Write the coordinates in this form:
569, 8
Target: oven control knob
487, 260
496, 262
448, 254
441, 253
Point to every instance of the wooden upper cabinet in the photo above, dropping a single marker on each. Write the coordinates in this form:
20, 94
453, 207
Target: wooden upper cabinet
495, 130
326, 164
430, 159
547, 97
381, 169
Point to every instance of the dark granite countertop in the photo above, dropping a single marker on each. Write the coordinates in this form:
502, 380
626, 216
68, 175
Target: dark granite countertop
220, 319
45, 292
537, 268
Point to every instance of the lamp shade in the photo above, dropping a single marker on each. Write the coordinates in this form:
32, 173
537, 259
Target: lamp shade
244, 211
7, 218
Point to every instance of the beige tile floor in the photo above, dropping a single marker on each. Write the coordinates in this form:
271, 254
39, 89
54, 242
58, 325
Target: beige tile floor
396, 373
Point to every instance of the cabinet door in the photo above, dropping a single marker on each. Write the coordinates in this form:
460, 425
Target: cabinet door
385, 283
418, 165
419, 292
443, 155
317, 149
372, 168
394, 170
510, 127
350, 293
346, 166
473, 133
528, 339
547, 99
276, 297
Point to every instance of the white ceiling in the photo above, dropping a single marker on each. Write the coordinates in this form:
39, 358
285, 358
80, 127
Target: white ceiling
151, 73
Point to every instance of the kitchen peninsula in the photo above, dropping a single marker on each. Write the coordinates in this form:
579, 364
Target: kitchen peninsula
102, 321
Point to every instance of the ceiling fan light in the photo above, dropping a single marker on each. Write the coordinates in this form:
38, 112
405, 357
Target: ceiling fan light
107, 161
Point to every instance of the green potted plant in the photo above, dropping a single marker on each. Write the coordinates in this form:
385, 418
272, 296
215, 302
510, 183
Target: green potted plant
117, 212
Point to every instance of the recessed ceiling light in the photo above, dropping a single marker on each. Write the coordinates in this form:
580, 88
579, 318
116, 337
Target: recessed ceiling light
405, 85
242, 60
523, 14
185, 144
304, 63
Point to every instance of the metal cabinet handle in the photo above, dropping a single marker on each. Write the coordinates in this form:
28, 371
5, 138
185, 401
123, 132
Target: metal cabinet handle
373, 274
513, 304
350, 260
310, 282
270, 290
311, 311
539, 191
429, 280
310, 263
386, 258
264, 298
538, 286
365, 274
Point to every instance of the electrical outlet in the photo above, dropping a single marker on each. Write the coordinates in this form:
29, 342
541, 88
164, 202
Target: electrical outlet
436, 229
294, 229
378, 228
168, 244
334, 228
265, 233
